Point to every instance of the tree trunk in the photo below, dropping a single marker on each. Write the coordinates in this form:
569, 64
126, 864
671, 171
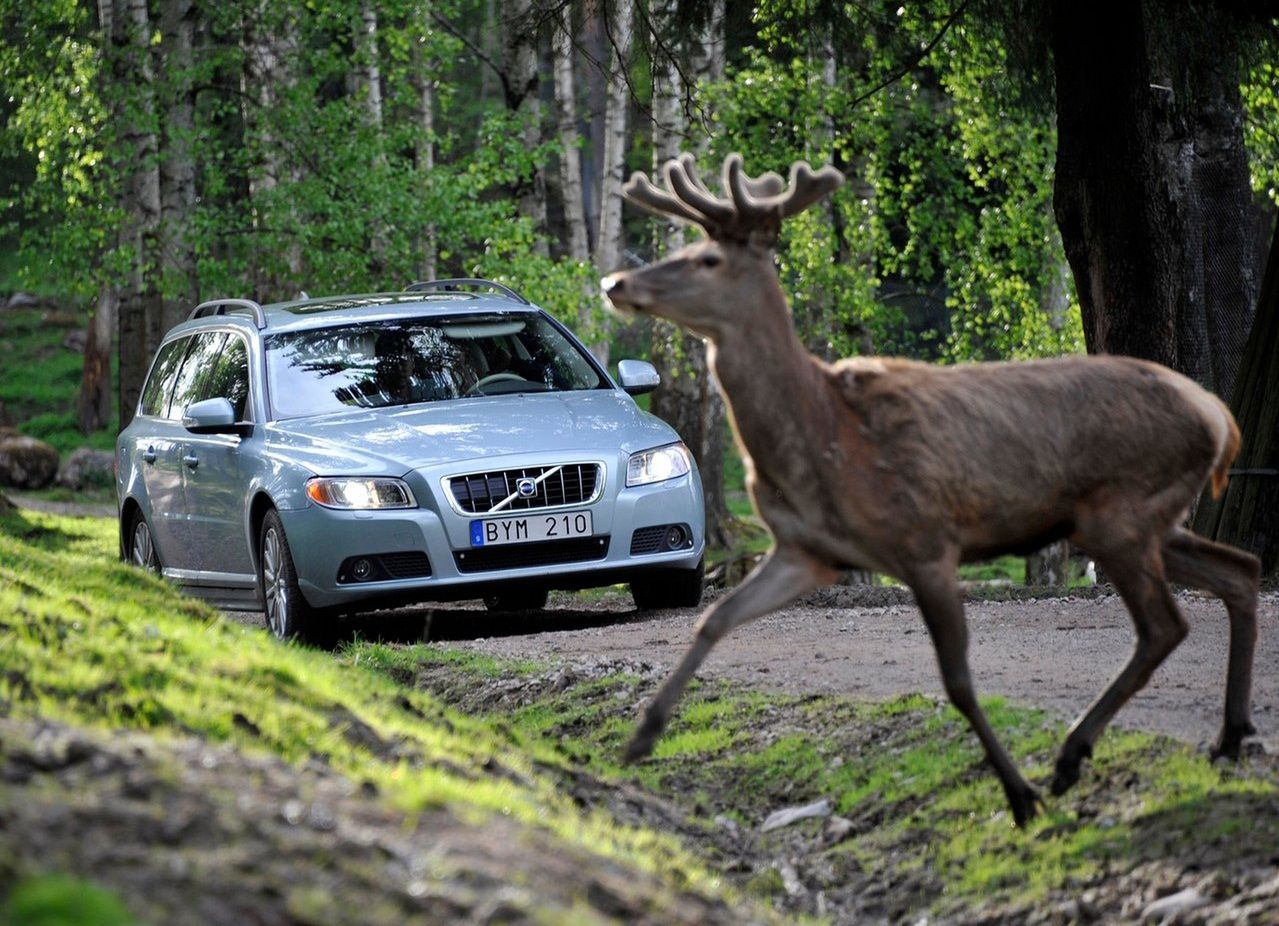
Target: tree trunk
177, 167
270, 48
570, 141
140, 306
571, 173
1151, 186
93, 406
688, 398
520, 66
1247, 515
424, 153
369, 71
608, 244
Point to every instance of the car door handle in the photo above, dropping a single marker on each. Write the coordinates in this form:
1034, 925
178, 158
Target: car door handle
148, 455
191, 460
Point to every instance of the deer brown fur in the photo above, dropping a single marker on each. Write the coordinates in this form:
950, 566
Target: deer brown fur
910, 469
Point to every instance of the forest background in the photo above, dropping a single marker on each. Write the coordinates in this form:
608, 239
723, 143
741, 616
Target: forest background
1002, 158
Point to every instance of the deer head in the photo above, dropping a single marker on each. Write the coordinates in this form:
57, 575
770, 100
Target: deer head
705, 285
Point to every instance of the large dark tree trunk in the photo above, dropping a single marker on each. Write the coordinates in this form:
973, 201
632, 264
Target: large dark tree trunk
1152, 193
1247, 515
140, 321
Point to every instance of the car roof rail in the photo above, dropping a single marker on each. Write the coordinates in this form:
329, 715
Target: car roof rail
454, 284
231, 307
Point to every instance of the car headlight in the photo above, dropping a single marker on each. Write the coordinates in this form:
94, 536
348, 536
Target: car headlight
658, 464
359, 494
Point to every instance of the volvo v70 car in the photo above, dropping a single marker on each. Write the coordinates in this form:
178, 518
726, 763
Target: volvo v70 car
324, 456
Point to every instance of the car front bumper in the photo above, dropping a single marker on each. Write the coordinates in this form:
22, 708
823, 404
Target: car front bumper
322, 540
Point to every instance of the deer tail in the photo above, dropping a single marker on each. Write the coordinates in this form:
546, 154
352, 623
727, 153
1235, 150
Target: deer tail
1229, 450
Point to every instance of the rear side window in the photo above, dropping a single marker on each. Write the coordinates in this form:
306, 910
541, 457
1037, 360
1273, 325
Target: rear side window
155, 394
229, 377
196, 367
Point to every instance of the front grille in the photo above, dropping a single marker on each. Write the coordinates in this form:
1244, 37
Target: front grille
523, 555
568, 484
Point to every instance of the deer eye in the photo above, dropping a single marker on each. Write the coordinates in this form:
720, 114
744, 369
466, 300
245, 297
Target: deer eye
710, 260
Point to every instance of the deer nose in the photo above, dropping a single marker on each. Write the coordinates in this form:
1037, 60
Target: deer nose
611, 284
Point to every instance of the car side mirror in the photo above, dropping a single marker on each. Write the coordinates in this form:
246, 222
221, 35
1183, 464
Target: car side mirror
211, 416
637, 376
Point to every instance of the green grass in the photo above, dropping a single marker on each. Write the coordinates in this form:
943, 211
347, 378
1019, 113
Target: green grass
90, 641
40, 380
57, 900
913, 765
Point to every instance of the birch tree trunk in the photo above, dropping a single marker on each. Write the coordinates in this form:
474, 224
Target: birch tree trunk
570, 141
571, 173
688, 398
608, 244
520, 46
270, 46
369, 71
424, 152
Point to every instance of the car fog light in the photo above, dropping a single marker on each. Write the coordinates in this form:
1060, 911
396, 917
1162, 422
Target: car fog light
675, 537
360, 569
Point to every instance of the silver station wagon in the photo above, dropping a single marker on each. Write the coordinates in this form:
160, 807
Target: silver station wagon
325, 456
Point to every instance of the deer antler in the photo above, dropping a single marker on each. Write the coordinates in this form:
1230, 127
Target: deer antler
757, 205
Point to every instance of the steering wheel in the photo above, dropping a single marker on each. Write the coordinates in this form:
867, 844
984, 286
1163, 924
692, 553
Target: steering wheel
478, 388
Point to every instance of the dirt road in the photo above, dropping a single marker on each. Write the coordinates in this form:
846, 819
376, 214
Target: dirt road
1054, 653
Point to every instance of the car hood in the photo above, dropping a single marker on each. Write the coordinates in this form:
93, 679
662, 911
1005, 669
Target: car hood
393, 441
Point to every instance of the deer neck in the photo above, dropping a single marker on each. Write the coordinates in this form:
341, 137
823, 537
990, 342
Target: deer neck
767, 377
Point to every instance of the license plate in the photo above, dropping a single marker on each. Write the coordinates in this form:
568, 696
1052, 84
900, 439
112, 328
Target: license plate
527, 528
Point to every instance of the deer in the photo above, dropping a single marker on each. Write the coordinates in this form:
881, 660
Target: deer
910, 469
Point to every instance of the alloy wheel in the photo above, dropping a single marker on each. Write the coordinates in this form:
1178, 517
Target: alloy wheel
144, 547
274, 587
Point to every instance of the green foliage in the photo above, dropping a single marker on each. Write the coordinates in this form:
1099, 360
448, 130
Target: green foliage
943, 242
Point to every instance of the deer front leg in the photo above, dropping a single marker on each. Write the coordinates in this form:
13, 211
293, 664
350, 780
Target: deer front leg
782, 577
937, 592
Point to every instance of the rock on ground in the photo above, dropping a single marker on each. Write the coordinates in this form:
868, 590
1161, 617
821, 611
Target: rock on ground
26, 463
85, 468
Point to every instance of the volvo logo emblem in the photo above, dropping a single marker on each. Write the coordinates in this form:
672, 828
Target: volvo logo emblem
526, 487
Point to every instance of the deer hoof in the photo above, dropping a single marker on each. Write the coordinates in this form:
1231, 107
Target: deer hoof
1229, 744
1025, 802
1068, 768
643, 740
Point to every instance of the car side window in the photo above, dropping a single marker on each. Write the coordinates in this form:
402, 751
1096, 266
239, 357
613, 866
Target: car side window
196, 367
229, 377
159, 386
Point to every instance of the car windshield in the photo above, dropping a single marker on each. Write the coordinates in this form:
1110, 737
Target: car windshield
407, 361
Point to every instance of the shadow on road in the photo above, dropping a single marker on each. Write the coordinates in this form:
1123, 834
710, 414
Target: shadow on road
433, 623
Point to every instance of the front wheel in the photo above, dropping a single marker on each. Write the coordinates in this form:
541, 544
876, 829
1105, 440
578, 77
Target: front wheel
142, 551
288, 616
669, 588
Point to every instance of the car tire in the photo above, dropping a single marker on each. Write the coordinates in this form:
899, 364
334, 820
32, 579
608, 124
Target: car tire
288, 616
142, 551
534, 600
669, 588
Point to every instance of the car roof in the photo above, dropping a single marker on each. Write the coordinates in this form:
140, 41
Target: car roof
300, 314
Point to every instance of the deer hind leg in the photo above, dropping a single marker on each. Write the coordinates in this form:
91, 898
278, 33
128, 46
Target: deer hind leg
1159, 626
782, 577
1233, 576
937, 593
